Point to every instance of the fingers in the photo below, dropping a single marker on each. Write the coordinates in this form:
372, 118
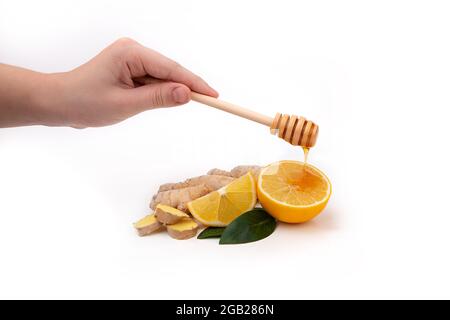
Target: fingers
156, 95
161, 67
141, 81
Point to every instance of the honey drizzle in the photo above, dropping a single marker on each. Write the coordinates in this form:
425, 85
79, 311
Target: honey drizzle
305, 155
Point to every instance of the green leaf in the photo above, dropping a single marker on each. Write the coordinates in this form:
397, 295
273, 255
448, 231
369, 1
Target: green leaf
211, 232
251, 226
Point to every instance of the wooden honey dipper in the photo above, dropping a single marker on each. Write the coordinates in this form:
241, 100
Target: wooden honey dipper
296, 130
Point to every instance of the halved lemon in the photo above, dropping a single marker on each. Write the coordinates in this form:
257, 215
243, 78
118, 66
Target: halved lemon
293, 192
220, 207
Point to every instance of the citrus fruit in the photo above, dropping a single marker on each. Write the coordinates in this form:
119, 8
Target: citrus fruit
220, 207
293, 192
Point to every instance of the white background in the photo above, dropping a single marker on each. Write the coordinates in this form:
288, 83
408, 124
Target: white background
375, 75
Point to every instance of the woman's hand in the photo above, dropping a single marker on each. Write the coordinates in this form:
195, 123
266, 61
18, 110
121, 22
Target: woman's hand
123, 80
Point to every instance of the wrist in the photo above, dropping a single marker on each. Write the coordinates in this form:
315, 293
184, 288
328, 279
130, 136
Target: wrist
46, 98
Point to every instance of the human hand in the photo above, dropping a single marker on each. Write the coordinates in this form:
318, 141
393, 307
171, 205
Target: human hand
125, 79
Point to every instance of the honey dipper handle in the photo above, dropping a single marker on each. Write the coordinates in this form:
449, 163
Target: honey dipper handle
232, 108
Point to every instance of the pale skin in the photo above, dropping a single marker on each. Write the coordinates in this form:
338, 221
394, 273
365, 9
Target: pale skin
123, 80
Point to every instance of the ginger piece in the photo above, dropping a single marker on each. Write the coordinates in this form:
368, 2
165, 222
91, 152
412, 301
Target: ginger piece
185, 229
178, 198
169, 215
147, 225
213, 182
219, 172
237, 172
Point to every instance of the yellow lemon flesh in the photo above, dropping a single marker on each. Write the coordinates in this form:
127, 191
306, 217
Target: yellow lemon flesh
293, 192
220, 207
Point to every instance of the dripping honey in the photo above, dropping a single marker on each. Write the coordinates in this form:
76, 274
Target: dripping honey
305, 155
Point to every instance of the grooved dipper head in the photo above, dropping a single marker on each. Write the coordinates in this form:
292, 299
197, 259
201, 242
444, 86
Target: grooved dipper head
296, 130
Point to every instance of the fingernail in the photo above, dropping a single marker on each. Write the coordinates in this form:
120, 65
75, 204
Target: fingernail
180, 95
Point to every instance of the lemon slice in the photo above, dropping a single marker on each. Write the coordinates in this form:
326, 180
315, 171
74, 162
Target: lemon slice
220, 207
293, 192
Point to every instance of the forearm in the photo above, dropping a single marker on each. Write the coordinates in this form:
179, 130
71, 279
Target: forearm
26, 98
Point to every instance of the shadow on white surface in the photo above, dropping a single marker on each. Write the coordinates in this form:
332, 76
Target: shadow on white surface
325, 222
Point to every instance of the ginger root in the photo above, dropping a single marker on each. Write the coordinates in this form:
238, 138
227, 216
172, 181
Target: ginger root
168, 215
170, 202
178, 198
177, 195
185, 229
219, 172
237, 172
213, 182
147, 225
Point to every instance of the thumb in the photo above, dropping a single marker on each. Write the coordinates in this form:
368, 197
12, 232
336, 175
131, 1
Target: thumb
163, 94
